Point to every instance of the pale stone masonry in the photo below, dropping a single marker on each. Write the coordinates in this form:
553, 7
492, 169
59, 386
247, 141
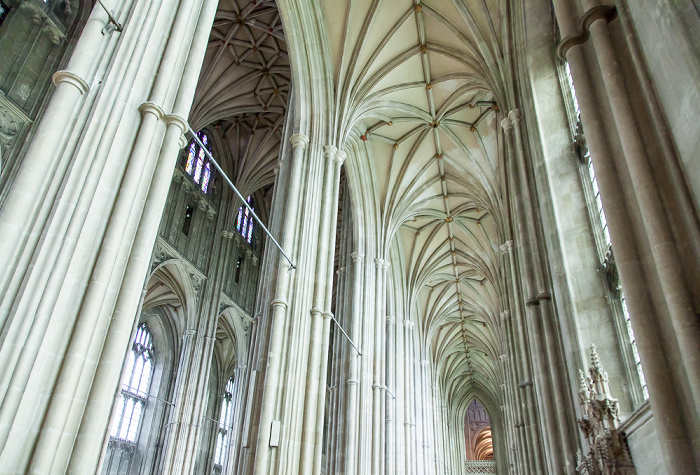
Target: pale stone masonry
469, 195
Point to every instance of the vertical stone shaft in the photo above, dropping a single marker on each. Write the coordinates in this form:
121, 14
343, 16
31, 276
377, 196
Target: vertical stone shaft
551, 334
378, 359
308, 435
663, 250
390, 398
351, 414
665, 405
545, 390
338, 159
43, 162
279, 309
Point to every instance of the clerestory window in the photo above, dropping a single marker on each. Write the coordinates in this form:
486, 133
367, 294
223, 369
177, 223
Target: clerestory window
134, 394
600, 223
197, 164
225, 417
245, 221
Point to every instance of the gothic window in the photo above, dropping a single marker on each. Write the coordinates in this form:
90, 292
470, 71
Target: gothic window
134, 394
244, 222
197, 164
598, 219
635, 353
596, 197
224, 424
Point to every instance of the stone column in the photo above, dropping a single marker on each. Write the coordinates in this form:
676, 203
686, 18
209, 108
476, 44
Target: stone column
106, 379
352, 417
279, 308
544, 302
43, 161
308, 437
545, 391
648, 199
524, 370
378, 362
665, 405
390, 398
409, 391
338, 159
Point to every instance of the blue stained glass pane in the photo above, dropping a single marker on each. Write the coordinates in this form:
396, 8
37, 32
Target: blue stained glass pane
250, 231
240, 217
190, 159
205, 139
198, 169
205, 177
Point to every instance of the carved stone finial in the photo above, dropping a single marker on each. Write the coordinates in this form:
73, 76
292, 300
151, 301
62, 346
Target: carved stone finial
608, 452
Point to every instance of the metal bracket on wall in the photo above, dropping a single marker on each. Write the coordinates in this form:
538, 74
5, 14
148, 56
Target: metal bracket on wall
113, 23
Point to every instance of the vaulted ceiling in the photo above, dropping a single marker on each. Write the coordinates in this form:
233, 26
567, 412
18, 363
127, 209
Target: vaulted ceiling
243, 89
419, 83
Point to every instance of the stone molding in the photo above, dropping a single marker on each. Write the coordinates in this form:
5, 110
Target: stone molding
73, 79
152, 108
599, 12
299, 140
12, 121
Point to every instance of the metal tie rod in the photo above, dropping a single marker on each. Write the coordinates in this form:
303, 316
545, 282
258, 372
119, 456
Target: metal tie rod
245, 203
346, 335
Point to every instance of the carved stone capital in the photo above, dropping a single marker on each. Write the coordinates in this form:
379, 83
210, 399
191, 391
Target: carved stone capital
178, 121
299, 141
151, 108
514, 116
60, 77
506, 124
329, 152
357, 257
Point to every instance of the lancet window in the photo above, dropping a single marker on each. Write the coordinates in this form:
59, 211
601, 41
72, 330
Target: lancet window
600, 223
134, 394
245, 221
225, 417
197, 164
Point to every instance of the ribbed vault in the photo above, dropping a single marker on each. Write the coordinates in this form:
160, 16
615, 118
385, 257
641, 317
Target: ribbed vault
419, 86
243, 89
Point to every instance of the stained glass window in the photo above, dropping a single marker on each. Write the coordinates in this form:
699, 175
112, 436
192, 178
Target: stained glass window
197, 164
190, 158
244, 223
134, 394
198, 168
205, 177
225, 417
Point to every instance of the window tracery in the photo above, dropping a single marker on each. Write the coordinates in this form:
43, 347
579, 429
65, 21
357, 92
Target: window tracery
134, 394
245, 221
225, 416
600, 223
197, 164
